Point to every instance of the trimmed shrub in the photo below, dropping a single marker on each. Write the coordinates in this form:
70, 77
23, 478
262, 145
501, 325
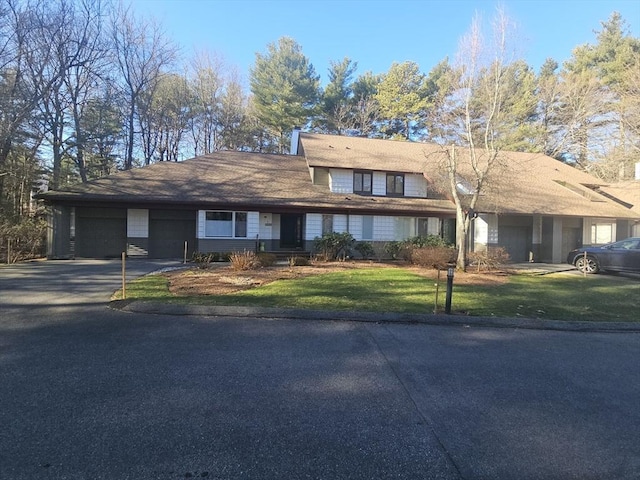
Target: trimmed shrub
404, 250
433, 257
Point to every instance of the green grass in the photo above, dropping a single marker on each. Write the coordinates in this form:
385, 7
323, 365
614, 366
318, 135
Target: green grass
558, 297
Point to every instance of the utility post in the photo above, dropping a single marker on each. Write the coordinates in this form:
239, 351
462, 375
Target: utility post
447, 306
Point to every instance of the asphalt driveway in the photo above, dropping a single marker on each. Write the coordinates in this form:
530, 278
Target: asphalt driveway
89, 392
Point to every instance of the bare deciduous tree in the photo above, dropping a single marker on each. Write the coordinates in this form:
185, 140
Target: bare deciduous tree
472, 112
72, 29
234, 116
142, 53
164, 117
206, 84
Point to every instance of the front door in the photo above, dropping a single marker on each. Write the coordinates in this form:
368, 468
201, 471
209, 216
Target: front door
291, 231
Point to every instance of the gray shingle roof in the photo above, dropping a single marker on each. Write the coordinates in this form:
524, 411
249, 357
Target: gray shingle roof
234, 180
628, 191
522, 183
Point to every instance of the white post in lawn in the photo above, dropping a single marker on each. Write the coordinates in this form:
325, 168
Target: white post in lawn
435, 307
185, 252
124, 276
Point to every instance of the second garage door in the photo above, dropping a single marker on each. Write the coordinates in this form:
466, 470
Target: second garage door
100, 232
516, 241
169, 230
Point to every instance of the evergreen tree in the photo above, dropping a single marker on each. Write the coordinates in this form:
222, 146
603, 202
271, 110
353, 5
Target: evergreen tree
548, 123
403, 99
606, 68
285, 89
336, 99
364, 107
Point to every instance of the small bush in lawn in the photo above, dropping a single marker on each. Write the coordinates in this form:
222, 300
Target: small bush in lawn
298, 261
365, 249
244, 260
433, 257
266, 259
489, 259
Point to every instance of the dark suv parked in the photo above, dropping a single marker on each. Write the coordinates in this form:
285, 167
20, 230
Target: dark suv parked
622, 256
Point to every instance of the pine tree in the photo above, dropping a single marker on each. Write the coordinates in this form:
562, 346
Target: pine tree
337, 98
403, 99
285, 89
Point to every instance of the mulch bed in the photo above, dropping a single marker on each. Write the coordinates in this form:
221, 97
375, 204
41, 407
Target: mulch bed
222, 279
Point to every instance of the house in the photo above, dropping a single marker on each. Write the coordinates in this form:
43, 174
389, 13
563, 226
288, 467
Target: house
378, 190
629, 193
534, 206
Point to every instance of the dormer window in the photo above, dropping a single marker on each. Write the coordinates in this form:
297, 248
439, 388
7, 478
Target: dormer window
395, 184
362, 182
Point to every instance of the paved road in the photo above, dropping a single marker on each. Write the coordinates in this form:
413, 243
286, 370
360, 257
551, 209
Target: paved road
91, 393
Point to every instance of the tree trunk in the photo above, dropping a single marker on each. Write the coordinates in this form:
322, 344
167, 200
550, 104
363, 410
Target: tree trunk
128, 161
82, 167
462, 233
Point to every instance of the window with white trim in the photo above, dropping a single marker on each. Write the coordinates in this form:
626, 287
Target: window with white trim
225, 224
601, 233
395, 184
362, 182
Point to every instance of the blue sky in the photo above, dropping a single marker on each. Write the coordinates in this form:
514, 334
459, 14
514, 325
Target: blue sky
376, 33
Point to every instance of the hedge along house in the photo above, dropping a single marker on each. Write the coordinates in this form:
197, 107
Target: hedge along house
232, 201
378, 190
534, 206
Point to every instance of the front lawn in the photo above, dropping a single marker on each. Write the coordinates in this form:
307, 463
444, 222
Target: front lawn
557, 296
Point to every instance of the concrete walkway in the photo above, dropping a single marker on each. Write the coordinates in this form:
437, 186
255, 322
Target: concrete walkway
541, 268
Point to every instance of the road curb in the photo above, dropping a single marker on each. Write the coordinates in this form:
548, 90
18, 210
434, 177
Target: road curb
156, 308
